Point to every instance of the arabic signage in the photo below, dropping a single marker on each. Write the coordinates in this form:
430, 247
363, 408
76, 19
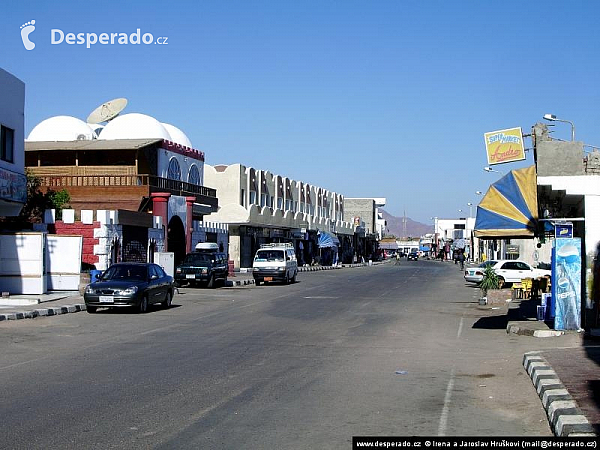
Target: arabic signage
13, 186
504, 146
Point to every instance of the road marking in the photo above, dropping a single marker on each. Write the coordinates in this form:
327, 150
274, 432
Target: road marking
443, 425
460, 327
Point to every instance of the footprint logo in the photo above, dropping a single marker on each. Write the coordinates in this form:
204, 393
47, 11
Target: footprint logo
26, 30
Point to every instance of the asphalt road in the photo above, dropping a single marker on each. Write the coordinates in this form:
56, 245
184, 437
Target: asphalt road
387, 350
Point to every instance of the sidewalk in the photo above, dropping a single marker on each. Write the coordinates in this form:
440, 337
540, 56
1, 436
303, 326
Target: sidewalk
567, 379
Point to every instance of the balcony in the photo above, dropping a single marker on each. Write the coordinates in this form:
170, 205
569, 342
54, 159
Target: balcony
124, 190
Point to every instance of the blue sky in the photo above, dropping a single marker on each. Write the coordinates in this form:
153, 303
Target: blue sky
384, 99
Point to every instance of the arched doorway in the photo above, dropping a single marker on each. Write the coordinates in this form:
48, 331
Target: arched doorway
176, 239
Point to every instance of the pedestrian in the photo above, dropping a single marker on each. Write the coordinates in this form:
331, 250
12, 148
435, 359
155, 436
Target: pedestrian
461, 259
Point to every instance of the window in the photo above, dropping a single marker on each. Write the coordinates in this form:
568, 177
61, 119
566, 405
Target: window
194, 175
522, 266
252, 197
7, 150
279, 203
174, 171
243, 198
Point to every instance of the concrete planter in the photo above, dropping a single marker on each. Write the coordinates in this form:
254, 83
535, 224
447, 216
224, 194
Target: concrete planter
498, 297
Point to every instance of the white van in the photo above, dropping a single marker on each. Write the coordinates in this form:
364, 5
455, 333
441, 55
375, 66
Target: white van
275, 262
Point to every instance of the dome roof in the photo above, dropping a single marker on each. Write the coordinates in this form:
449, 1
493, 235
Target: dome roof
61, 128
134, 126
177, 135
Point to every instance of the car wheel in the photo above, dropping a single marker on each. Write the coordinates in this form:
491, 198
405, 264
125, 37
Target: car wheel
168, 300
211, 282
224, 281
257, 282
91, 309
143, 306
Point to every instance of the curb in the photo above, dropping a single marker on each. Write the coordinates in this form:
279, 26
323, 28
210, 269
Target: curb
55, 311
66, 309
564, 416
527, 331
231, 283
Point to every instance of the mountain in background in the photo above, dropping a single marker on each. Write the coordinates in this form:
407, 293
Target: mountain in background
413, 229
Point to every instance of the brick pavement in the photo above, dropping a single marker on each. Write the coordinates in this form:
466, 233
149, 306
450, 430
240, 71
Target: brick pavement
578, 368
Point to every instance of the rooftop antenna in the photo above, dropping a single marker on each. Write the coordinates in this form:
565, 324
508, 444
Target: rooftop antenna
107, 111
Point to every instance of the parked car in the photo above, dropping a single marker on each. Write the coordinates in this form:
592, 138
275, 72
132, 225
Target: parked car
475, 274
413, 256
135, 285
203, 266
275, 262
512, 271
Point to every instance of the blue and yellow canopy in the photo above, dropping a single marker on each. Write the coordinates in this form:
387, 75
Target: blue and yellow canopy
509, 208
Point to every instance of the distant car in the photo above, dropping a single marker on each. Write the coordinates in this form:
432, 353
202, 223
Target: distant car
512, 271
475, 274
413, 256
135, 285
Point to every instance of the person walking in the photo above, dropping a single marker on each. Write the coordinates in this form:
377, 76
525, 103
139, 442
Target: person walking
461, 259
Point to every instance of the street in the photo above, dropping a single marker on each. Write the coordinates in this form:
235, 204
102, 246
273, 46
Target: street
389, 350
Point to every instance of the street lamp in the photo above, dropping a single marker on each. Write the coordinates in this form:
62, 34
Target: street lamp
553, 118
479, 192
490, 169
470, 205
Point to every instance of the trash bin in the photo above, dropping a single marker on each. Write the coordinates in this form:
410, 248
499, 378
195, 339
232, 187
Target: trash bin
94, 275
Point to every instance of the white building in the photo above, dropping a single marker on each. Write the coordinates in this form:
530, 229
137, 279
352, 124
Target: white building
261, 207
13, 182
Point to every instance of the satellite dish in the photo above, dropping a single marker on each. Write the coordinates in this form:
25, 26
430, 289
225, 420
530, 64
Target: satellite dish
107, 111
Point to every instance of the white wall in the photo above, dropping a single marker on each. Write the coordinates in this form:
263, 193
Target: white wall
63, 272
13, 186
22, 268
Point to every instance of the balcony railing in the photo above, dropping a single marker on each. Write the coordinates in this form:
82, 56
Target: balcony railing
155, 183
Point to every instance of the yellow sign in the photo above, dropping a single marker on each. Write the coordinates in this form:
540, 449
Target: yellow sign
504, 146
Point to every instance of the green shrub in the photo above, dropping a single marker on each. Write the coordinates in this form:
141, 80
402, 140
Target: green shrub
490, 280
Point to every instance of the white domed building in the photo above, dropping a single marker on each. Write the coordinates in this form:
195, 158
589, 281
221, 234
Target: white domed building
136, 172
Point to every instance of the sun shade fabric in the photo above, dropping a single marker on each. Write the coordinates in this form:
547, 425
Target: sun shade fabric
327, 240
509, 208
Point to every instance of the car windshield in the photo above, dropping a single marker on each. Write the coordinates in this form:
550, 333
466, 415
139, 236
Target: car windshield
197, 259
487, 263
269, 255
125, 273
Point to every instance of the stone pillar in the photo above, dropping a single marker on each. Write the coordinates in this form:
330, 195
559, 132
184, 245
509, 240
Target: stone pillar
160, 207
189, 203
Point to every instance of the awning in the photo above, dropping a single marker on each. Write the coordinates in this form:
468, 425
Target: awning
509, 208
327, 240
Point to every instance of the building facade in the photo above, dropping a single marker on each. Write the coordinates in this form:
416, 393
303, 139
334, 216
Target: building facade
13, 182
135, 166
261, 207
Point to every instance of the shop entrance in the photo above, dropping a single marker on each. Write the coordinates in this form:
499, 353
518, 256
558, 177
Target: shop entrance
176, 239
